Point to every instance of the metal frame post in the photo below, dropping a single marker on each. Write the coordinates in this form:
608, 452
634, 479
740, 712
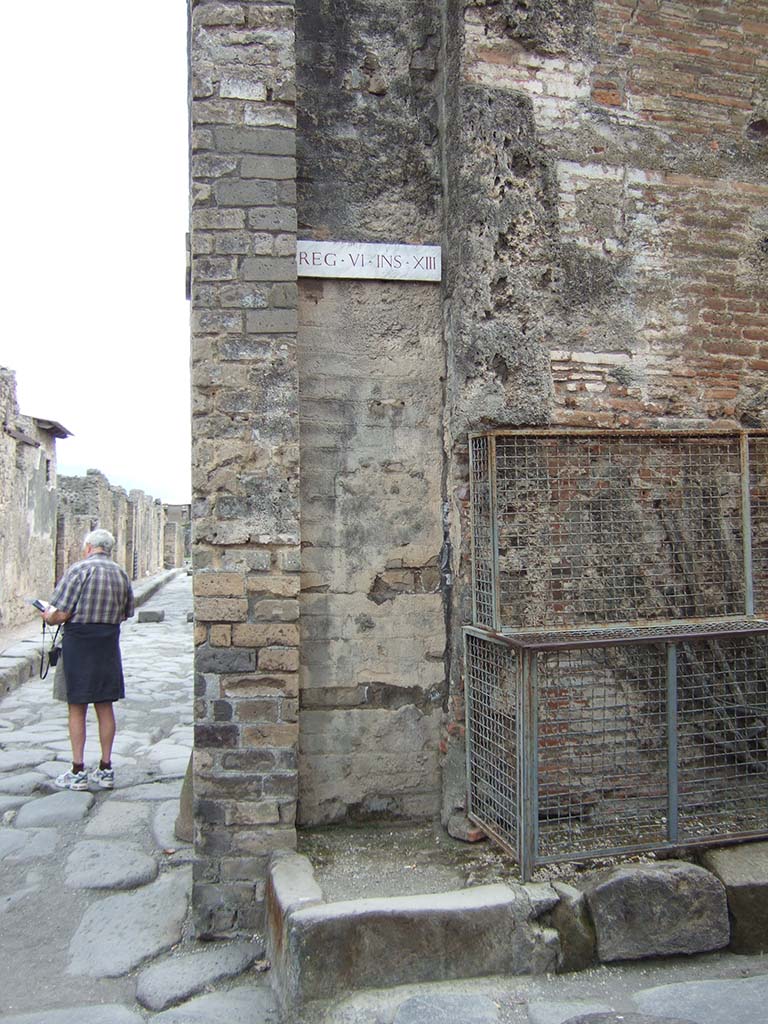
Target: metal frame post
528, 766
746, 525
673, 780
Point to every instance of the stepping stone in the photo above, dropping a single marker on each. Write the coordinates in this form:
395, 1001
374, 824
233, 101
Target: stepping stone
99, 864
241, 1006
447, 1010
13, 760
150, 615
724, 1001
58, 809
23, 784
116, 819
27, 844
163, 825
101, 1014
552, 1011
164, 984
120, 932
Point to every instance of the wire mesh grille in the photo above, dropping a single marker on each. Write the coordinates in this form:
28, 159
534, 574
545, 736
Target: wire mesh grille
491, 690
602, 749
483, 575
723, 736
758, 462
611, 528
605, 774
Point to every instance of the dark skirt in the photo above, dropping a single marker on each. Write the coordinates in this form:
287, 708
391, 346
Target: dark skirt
92, 663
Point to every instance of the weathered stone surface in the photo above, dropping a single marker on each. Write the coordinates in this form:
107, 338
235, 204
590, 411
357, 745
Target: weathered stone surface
552, 1011
151, 615
721, 1001
329, 948
247, 1005
106, 1013
743, 870
447, 1009
118, 933
657, 910
625, 1018
570, 918
166, 983
10, 803
27, 844
12, 760
56, 809
117, 818
100, 864
23, 783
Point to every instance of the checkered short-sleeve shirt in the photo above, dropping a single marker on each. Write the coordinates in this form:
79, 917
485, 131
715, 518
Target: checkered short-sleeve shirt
95, 590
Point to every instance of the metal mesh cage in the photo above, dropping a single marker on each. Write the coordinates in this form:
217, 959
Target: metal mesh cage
611, 527
618, 746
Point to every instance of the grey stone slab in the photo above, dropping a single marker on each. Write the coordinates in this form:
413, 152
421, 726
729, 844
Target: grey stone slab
22, 784
251, 1005
57, 809
743, 870
163, 825
10, 803
120, 932
447, 1009
722, 1001
101, 864
152, 615
162, 790
112, 1013
27, 844
554, 1011
658, 909
117, 818
13, 760
17, 896
625, 1018
161, 985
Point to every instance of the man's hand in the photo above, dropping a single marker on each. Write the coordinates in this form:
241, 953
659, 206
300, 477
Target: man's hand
54, 617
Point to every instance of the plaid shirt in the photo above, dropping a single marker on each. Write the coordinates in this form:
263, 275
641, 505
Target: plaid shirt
95, 590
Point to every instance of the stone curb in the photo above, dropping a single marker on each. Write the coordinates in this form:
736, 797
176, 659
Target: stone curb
320, 950
21, 660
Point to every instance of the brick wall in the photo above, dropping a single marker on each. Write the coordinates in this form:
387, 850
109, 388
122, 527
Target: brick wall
246, 552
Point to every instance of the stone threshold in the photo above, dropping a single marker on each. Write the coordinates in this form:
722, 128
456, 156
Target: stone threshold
321, 949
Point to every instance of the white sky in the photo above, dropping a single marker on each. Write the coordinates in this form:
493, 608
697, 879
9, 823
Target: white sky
94, 186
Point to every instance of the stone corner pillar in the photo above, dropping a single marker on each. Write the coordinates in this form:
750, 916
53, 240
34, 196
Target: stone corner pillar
245, 453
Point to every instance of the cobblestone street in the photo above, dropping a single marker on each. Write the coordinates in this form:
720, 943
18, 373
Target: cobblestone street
95, 883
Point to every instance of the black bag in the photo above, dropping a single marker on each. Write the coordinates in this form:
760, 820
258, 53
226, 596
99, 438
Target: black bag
52, 655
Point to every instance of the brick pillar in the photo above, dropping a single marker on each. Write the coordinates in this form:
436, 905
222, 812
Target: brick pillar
245, 444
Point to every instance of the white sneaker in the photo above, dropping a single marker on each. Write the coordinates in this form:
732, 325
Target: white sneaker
104, 777
72, 780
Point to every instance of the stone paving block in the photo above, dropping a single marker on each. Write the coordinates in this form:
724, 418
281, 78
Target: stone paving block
571, 920
625, 1018
57, 809
151, 615
161, 985
447, 1009
162, 790
112, 1013
554, 1011
250, 1005
118, 818
120, 932
657, 909
722, 1001
10, 803
743, 870
23, 784
27, 843
100, 864
13, 760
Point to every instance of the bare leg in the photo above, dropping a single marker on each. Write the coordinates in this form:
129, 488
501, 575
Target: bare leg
77, 731
105, 713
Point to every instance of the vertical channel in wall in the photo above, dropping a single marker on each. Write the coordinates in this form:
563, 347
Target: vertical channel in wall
245, 473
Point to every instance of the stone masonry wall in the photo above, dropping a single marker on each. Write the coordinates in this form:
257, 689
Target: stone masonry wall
607, 179
371, 391
27, 508
245, 451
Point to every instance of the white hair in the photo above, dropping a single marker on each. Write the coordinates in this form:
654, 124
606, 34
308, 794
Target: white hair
100, 539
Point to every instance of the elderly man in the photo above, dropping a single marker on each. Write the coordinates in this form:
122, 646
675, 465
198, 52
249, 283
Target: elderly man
92, 598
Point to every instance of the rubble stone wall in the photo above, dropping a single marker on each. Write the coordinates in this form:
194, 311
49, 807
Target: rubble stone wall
27, 508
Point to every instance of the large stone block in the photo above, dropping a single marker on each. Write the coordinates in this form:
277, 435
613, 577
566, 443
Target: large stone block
657, 910
743, 870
